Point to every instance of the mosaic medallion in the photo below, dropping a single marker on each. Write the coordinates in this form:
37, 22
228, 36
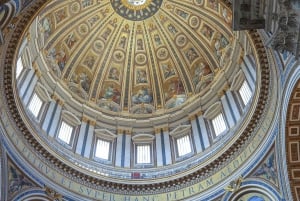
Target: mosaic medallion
136, 10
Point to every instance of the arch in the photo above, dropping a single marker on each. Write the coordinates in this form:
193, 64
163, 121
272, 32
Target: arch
289, 132
253, 186
32, 194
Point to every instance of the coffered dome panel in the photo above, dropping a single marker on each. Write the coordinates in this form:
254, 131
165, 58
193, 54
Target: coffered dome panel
136, 57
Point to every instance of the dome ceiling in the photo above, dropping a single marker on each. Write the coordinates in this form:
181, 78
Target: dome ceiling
136, 56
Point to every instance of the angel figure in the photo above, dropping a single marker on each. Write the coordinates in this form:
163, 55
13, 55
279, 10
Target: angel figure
268, 170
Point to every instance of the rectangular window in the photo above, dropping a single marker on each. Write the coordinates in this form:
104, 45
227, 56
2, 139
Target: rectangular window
65, 132
143, 154
245, 93
35, 105
102, 149
219, 124
183, 145
20, 67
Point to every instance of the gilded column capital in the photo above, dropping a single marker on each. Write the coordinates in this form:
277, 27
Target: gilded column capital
126, 130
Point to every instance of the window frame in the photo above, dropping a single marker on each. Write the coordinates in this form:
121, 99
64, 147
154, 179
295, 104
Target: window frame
140, 140
149, 145
19, 74
42, 107
212, 112
105, 135
215, 134
99, 159
71, 140
179, 132
177, 147
240, 95
71, 120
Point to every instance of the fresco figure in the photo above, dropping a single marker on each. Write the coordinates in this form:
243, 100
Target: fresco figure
60, 15
174, 88
122, 42
219, 43
106, 33
182, 14
157, 39
89, 61
213, 4
141, 77
207, 31
17, 181
84, 81
114, 74
140, 45
71, 40
112, 93
200, 70
61, 59
268, 170
46, 27
142, 96
167, 70
172, 29
191, 55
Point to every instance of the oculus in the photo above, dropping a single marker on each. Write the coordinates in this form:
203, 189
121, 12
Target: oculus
136, 10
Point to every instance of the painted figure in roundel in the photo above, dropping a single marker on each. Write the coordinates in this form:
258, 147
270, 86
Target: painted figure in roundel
112, 93
143, 95
114, 74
